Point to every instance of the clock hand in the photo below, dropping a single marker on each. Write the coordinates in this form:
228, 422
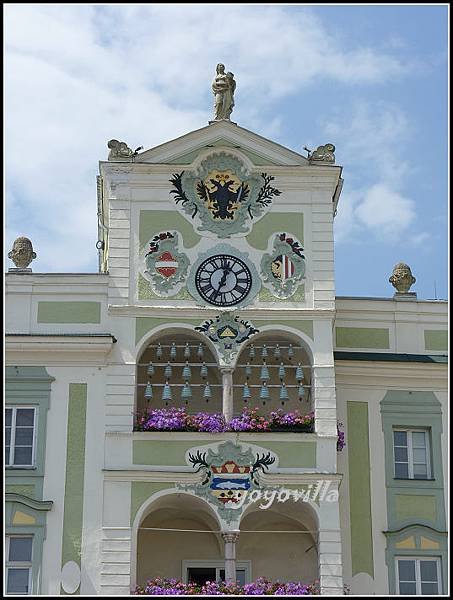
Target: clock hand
222, 281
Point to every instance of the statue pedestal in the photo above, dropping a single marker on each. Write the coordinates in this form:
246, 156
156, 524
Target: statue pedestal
17, 270
222, 120
405, 296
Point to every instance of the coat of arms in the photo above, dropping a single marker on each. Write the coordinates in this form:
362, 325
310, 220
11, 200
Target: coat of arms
229, 472
165, 266
285, 267
222, 196
227, 332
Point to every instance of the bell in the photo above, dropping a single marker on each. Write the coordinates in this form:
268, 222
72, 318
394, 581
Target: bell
166, 393
187, 351
264, 375
203, 371
207, 392
252, 352
150, 369
281, 372
299, 373
148, 392
248, 371
301, 392
290, 351
200, 351
264, 352
264, 393
186, 393
159, 351
168, 371
186, 372
173, 351
283, 393
277, 352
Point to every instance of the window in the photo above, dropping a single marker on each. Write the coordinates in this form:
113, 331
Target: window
18, 564
411, 454
19, 436
418, 576
200, 571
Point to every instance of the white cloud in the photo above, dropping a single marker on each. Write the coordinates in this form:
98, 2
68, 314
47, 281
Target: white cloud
78, 75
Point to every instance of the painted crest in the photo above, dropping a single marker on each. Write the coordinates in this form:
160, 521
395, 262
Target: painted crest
227, 332
229, 472
166, 267
285, 267
222, 196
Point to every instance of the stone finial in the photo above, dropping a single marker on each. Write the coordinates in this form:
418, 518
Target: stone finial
402, 279
119, 150
22, 254
223, 88
323, 154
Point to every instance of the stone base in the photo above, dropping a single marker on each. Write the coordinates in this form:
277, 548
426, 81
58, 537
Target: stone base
220, 120
405, 296
17, 270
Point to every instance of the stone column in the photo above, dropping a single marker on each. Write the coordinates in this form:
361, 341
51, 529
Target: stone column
230, 538
227, 393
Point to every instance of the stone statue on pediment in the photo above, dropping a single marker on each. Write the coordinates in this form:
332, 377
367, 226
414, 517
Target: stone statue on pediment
119, 150
22, 254
223, 88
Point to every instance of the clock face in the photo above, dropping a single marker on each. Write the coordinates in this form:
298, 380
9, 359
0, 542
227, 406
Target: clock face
223, 280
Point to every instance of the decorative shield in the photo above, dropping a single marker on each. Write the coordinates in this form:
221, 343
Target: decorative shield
222, 196
285, 267
166, 268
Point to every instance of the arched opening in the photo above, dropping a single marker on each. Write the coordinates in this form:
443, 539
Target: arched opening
178, 368
177, 538
273, 371
281, 541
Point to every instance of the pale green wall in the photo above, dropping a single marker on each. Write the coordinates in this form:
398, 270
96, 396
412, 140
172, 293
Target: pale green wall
29, 386
157, 221
75, 475
145, 324
276, 222
414, 506
436, 340
172, 452
362, 337
359, 489
142, 490
69, 312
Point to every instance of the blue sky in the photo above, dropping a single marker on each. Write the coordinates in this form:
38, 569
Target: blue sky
371, 79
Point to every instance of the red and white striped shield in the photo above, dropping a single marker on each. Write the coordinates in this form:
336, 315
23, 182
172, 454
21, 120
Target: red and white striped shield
283, 268
166, 264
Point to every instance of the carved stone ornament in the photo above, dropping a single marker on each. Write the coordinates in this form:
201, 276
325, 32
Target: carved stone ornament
119, 150
227, 332
221, 197
22, 253
229, 471
166, 266
284, 269
323, 154
402, 278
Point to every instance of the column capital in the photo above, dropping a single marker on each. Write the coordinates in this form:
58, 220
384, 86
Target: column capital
230, 536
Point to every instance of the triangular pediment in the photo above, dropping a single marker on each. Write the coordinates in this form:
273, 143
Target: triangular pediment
185, 149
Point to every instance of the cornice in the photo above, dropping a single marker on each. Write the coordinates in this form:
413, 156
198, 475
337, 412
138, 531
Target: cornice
43, 505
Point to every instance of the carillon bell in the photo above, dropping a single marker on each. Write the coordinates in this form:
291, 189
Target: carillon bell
264, 393
207, 395
186, 372
290, 351
203, 371
281, 372
187, 351
168, 371
301, 392
150, 369
264, 375
248, 371
186, 393
252, 352
246, 395
283, 393
264, 351
173, 351
148, 392
200, 351
277, 352
159, 351
299, 373
166, 393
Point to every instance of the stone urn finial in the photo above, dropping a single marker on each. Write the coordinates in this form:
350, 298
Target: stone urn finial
402, 279
22, 254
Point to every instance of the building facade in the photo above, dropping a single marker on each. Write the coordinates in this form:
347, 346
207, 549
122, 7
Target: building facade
215, 293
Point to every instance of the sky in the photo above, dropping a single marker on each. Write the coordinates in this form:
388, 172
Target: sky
371, 79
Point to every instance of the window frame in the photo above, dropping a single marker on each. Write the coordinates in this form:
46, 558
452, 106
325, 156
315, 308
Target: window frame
11, 565
15, 408
418, 581
410, 456
218, 565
